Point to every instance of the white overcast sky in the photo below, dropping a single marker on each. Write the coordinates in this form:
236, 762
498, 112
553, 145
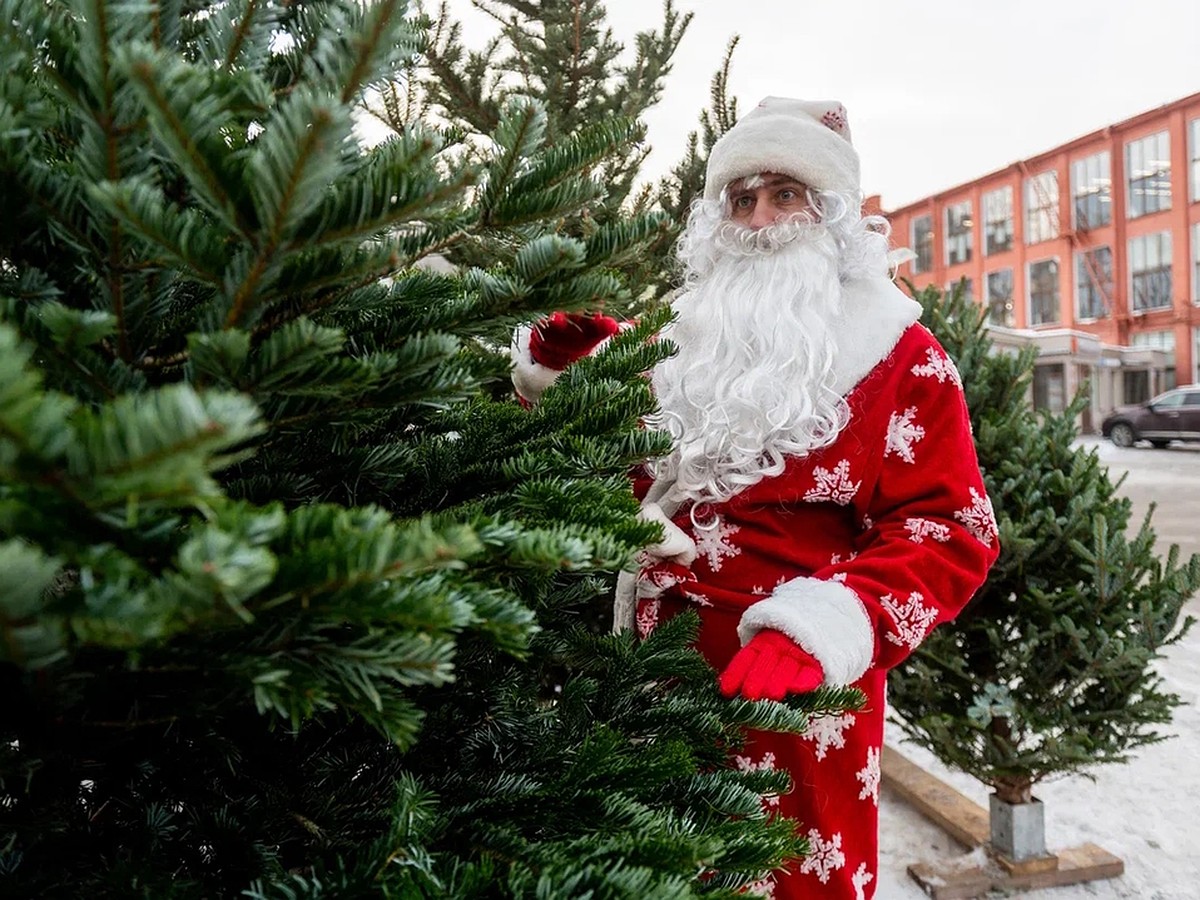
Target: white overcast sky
939, 91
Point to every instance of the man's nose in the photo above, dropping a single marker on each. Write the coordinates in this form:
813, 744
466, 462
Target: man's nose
764, 214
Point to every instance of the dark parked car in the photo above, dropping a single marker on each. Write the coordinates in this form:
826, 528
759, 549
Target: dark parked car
1173, 416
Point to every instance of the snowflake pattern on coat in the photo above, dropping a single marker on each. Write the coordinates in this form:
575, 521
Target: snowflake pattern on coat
647, 617
979, 519
912, 618
824, 857
902, 433
827, 731
833, 485
714, 545
764, 887
766, 764
860, 879
919, 529
869, 776
939, 366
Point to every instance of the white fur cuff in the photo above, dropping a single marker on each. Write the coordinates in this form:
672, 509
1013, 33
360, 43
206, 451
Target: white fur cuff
529, 378
826, 618
675, 546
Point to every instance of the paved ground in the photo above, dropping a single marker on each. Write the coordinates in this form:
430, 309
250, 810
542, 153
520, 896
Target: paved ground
1169, 478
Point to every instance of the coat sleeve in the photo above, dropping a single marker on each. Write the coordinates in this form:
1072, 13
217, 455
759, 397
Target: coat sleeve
929, 535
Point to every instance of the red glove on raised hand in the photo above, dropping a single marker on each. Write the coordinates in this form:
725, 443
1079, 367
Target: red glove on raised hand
770, 667
561, 338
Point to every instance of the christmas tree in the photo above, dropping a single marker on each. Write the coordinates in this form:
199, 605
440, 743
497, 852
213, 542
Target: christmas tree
563, 54
1050, 669
290, 588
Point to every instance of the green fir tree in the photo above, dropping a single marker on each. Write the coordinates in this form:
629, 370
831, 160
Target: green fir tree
291, 590
564, 55
1050, 669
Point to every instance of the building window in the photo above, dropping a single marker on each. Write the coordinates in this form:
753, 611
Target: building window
1091, 191
967, 285
1148, 170
1049, 387
1000, 297
1159, 340
1043, 292
1196, 262
922, 244
959, 227
1150, 271
1093, 283
997, 221
1135, 386
1041, 207
1194, 153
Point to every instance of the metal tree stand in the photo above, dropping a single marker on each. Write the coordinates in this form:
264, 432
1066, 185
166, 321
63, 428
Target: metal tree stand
1013, 834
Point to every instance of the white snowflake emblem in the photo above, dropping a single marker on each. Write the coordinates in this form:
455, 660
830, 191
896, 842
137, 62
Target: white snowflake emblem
902, 433
766, 764
979, 519
837, 557
860, 879
826, 731
839, 577
833, 485
919, 529
647, 617
764, 887
714, 544
824, 857
869, 776
939, 366
912, 618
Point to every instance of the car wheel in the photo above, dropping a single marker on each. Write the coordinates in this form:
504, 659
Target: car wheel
1159, 445
1122, 435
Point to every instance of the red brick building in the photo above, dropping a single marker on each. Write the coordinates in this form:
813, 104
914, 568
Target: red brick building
1090, 251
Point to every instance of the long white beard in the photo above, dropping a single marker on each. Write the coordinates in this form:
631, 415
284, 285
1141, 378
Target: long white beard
751, 383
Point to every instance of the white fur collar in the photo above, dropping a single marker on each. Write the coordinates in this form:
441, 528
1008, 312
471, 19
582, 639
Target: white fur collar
875, 313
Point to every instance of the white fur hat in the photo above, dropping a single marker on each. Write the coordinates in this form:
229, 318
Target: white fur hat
807, 139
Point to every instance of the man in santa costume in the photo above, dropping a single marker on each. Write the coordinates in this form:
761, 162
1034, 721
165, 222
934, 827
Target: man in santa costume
823, 508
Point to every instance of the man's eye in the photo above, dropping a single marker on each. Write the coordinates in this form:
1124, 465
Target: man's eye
787, 195
742, 202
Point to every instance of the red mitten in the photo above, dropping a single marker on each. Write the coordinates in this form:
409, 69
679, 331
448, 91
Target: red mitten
770, 667
561, 338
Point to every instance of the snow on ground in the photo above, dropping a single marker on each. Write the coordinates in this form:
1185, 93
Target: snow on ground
1146, 812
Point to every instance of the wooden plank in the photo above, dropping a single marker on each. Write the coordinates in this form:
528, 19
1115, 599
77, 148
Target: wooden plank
967, 822
957, 815
1086, 863
950, 884
1076, 865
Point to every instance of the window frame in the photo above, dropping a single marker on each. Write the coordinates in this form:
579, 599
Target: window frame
1005, 223
1096, 193
1160, 272
1041, 221
1031, 307
960, 239
1081, 276
1147, 176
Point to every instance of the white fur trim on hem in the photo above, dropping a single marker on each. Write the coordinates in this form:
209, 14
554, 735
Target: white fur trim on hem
529, 378
826, 618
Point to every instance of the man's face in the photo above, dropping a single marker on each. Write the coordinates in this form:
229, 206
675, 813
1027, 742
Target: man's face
766, 198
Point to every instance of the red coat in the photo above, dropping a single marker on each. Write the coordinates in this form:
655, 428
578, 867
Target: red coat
856, 551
